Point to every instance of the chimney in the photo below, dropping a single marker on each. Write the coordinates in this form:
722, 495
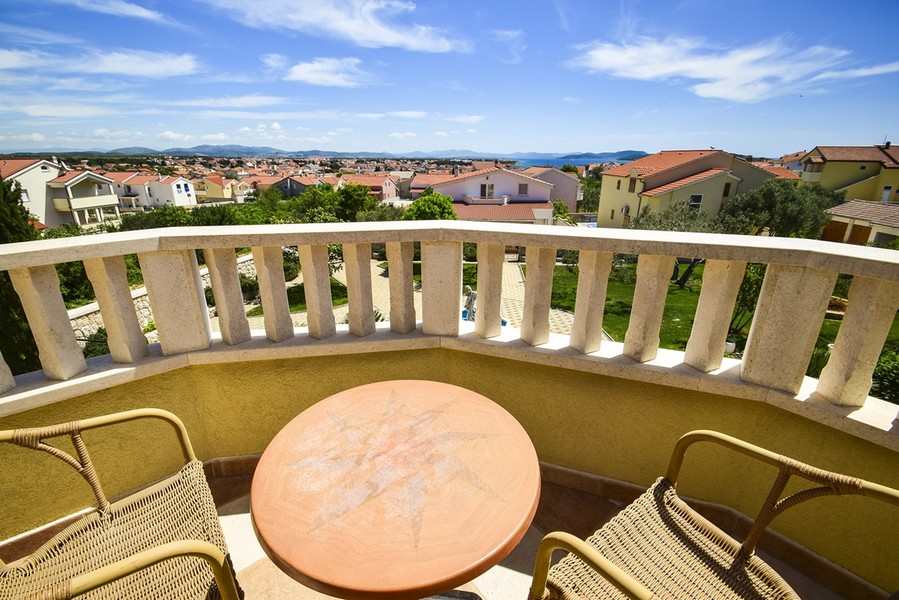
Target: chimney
886, 145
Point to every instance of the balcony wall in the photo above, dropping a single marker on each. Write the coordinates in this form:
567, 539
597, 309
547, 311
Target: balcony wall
613, 410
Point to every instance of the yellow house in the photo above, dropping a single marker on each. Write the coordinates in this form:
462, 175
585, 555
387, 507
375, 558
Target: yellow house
214, 188
862, 172
704, 178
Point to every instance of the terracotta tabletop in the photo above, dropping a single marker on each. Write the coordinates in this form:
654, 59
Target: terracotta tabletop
396, 489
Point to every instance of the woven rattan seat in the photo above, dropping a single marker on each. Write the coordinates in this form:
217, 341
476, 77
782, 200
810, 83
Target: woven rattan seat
659, 547
162, 542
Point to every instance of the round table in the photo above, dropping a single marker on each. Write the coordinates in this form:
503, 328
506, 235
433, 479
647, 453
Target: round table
395, 489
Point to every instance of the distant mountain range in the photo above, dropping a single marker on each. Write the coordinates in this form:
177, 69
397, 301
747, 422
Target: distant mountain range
236, 151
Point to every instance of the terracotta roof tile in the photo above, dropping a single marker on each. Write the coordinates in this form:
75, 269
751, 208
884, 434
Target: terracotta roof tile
507, 212
780, 172
9, 167
664, 189
656, 163
852, 153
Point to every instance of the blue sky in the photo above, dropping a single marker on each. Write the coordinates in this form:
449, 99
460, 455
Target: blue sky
762, 78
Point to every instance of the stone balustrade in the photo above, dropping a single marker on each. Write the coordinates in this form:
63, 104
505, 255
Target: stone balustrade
791, 307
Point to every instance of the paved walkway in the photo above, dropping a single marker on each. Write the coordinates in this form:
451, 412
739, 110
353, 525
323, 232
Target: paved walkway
512, 300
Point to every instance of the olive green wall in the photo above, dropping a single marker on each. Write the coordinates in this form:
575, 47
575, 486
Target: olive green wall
616, 428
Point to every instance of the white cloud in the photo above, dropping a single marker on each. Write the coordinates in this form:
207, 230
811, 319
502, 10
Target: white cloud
367, 23
215, 137
24, 137
63, 110
134, 63
514, 41
441, 133
276, 126
171, 135
408, 114
141, 63
471, 131
249, 101
31, 35
467, 119
741, 74
316, 140
373, 116
405, 134
118, 8
863, 72
571, 100
334, 72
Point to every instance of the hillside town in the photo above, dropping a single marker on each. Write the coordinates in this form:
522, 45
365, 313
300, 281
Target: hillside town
94, 191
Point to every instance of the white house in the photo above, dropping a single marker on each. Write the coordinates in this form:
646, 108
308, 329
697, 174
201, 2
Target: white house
496, 186
174, 191
56, 196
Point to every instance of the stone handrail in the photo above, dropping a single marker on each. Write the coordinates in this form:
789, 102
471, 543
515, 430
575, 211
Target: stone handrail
790, 310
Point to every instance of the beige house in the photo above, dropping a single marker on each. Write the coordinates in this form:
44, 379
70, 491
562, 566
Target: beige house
566, 186
862, 222
862, 172
703, 178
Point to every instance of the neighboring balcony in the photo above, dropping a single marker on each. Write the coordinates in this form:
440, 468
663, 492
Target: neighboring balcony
811, 176
85, 202
603, 415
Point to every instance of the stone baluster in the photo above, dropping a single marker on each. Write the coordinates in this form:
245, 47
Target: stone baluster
441, 287
233, 324
269, 262
402, 298
38, 289
357, 262
593, 280
7, 381
871, 308
721, 281
488, 320
538, 288
641, 341
176, 296
788, 317
109, 278
317, 283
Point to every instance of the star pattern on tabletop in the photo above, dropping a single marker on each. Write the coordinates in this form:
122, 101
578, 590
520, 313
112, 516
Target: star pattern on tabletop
384, 458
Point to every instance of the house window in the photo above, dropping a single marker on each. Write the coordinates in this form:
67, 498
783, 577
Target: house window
618, 185
486, 190
863, 167
726, 189
178, 187
695, 201
632, 184
522, 189
612, 215
25, 196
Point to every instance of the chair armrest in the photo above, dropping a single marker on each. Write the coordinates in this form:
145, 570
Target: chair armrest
565, 541
128, 566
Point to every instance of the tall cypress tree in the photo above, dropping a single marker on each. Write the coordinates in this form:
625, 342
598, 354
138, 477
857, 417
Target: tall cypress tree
16, 342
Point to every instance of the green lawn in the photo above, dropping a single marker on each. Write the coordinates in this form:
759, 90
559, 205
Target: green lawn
680, 307
296, 298
469, 273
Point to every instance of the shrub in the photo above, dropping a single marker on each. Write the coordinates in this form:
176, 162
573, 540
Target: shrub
886, 377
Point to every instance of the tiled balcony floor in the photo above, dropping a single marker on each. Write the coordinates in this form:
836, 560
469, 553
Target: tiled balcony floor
560, 508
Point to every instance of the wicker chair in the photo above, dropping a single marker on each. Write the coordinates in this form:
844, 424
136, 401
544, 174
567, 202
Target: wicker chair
164, 541
658, 547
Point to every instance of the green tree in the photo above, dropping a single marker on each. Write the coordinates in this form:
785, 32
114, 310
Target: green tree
164, 216
569, 169
678, 217
430, 206
16, 342
382, 212
353, 199
781, 208
592, 183
560, 211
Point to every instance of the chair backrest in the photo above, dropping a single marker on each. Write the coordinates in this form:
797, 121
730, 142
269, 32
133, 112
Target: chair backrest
827, 483
164, 541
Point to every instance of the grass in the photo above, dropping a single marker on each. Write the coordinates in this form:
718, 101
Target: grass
296, 298
469, 273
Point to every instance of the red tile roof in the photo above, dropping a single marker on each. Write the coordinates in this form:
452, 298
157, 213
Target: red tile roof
423, 180
656, 163
507, 212
780, 172
702, 176
854, 153
10, 167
